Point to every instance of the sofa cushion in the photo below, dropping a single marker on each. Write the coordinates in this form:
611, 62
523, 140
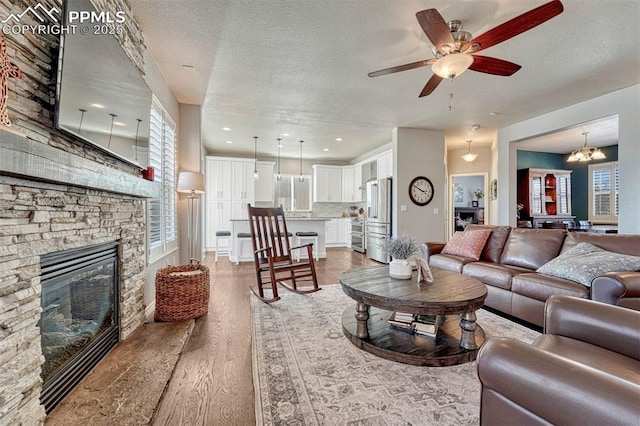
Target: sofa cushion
532, 248
467, 244
540, 287
448, 262
493, 274
493, 248
625, 244
583, 262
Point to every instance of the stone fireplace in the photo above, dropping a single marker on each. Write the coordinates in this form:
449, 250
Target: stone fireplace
80, 321
59, 194
40, 216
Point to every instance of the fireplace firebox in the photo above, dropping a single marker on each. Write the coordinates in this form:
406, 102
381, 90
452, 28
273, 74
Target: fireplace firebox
79, 323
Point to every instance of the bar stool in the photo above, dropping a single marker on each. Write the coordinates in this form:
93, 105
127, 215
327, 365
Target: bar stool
243, 237
223, 235
310, 236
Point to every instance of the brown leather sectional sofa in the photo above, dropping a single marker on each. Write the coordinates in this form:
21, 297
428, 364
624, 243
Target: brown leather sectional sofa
584, 369
511, 256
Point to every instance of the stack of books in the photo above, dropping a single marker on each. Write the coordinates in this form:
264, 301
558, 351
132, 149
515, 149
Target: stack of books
421, 324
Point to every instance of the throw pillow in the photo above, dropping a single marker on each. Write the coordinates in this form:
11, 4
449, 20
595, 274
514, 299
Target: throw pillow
467, 243
584, 262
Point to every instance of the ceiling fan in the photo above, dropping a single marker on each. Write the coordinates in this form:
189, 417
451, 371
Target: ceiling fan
455, 50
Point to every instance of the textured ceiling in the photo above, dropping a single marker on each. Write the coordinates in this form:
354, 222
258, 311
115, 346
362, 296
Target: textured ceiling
265, 68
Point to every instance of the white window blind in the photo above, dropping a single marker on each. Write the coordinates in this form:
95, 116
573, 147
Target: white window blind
162, 157
603, 192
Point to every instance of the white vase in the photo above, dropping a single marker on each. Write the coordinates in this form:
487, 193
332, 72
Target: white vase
400, 269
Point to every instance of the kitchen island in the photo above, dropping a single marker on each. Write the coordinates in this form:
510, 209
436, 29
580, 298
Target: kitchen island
294, 224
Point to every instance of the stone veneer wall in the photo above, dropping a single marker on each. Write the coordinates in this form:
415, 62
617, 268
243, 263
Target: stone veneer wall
38, 217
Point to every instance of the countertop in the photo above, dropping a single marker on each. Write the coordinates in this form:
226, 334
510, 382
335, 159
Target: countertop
301, 219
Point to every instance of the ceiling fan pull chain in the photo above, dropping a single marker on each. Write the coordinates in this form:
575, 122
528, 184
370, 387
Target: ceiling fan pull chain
451, 94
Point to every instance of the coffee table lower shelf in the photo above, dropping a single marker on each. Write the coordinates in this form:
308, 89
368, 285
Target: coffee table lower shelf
398, 345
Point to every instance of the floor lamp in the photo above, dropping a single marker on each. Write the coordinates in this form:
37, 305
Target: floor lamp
192, 183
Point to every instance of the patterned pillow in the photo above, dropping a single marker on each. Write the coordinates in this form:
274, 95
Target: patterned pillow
467, 243
584, 262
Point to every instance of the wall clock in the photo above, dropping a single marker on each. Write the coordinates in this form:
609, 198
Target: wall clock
421, 191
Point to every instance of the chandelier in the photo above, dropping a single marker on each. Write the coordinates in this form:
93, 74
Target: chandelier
586, 153
469, 156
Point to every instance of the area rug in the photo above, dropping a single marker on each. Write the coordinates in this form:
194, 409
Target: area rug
307, 373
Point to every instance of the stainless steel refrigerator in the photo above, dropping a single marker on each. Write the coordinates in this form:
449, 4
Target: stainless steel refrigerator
378, 217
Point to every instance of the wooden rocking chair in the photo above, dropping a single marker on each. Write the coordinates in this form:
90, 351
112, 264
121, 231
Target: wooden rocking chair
272, 255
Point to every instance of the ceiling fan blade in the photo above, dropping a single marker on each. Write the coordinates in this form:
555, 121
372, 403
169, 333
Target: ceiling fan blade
493, 66
435, 27
431, 85
404, 67
515, 26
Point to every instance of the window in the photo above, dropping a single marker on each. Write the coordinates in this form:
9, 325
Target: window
293, 194
603, 192
162, 157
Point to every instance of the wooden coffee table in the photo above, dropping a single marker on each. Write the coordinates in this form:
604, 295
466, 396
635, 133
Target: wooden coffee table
450, 294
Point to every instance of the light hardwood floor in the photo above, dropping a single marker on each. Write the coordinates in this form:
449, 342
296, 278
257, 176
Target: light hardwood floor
212, 383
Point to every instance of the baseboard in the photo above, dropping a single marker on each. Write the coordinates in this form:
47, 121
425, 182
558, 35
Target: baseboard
149, 311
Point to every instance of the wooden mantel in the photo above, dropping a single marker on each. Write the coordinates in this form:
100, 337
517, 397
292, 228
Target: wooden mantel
28, 159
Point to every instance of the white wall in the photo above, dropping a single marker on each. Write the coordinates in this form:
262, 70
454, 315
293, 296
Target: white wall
625, 103
421, 153
190, 154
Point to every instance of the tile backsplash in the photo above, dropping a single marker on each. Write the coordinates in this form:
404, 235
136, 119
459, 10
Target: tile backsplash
335, 209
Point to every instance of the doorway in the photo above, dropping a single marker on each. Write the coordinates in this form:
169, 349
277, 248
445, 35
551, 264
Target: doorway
467, 200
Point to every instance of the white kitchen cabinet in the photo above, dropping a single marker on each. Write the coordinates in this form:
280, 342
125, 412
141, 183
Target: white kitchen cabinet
348, 186
243, 182
338, 232
217, 218
218, 180
230, 187
331, 233
357, 183
327, 183
264, 186
347, 232
385, 164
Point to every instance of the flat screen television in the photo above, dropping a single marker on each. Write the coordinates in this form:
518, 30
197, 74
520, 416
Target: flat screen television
101, 95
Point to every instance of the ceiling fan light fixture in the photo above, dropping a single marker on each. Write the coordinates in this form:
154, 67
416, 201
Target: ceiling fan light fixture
469, 156
450, 66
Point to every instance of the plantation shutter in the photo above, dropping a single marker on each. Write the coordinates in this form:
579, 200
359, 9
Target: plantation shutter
162, 157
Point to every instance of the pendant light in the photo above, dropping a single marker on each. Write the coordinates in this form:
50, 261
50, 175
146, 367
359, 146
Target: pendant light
301, 178
82, 111
255, 158
469, 156
113, 116
279, 176
137, 130
586, 153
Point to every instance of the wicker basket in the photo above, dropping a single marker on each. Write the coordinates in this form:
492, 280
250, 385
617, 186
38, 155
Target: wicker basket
182, 292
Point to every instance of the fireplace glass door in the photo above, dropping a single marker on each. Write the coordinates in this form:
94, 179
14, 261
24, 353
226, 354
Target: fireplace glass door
79, 320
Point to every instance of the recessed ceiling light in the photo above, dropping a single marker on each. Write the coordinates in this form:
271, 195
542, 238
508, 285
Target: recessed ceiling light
226, 129
494, 113
326, 149
285, 134
475, 127
338, 139
119, 123
97, 105
228, 142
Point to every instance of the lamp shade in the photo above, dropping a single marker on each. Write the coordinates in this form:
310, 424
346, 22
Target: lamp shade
191, 182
